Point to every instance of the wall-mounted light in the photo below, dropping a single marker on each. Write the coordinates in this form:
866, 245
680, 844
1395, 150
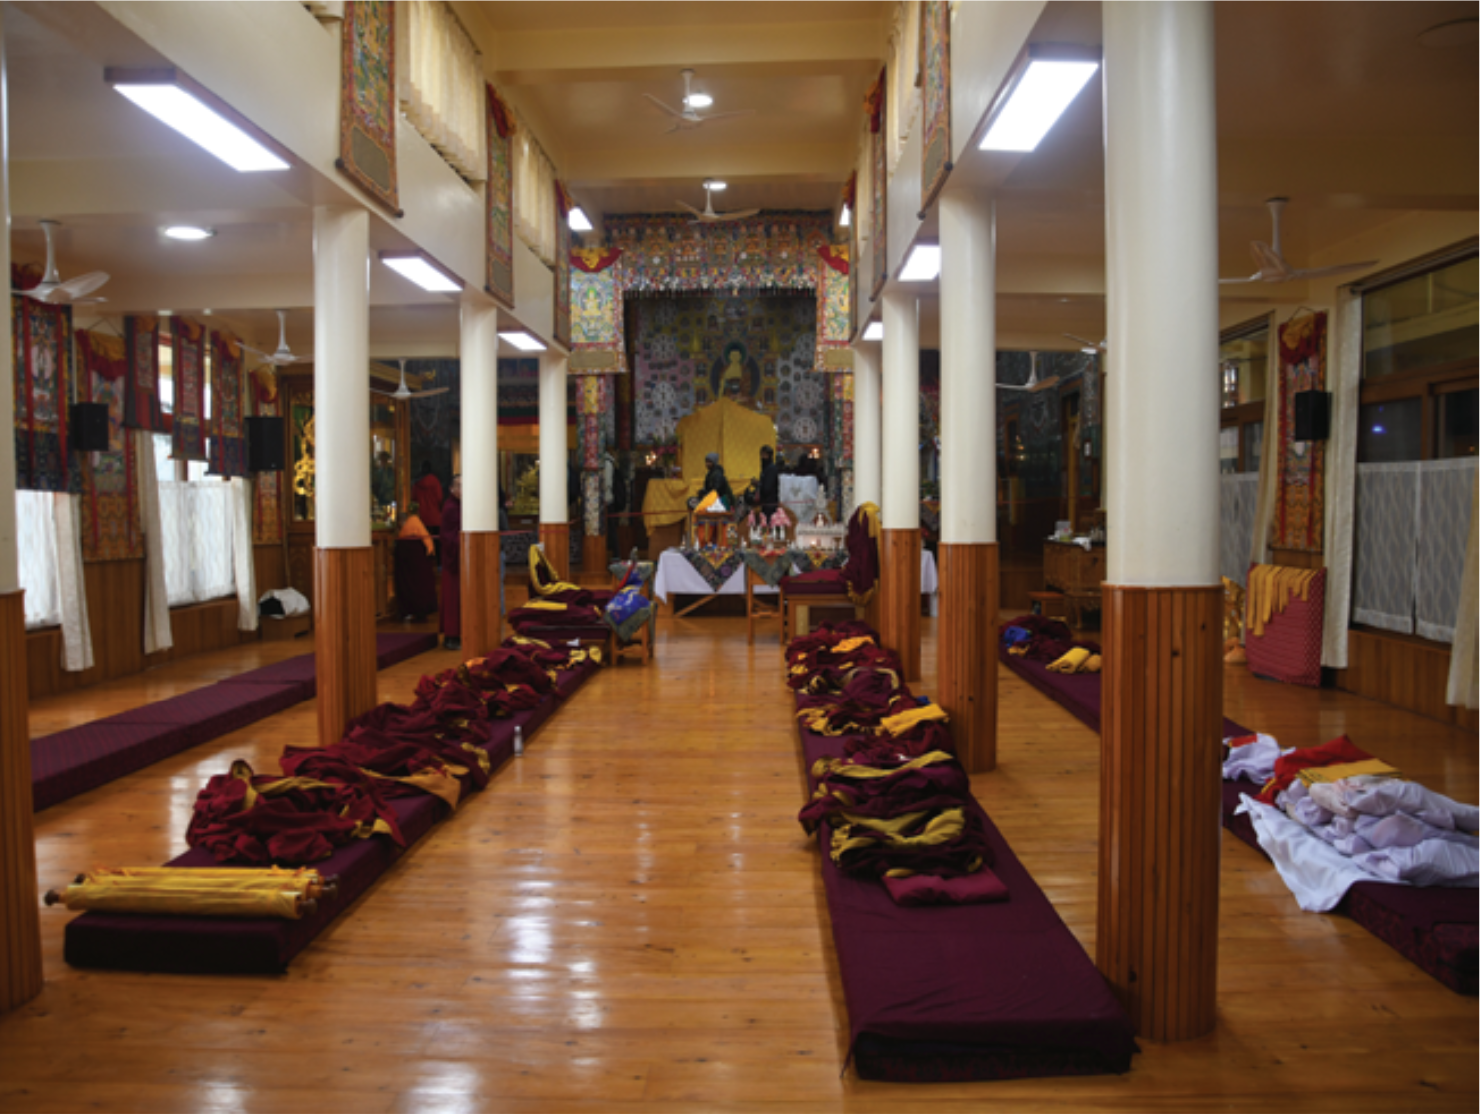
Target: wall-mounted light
188, 232
923, 264
845, 218
874, 331
421, 270
1035, 99
579, 221
172, 98
525, 342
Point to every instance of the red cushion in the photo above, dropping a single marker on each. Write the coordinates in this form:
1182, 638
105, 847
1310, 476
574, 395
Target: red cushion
797, 586
1289, 650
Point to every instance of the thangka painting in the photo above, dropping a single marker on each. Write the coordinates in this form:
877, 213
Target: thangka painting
596, 312
935, 97
42, 344
668, 254
757, 351
141, 402
879, 180
267, 492
1299, 507
834, 324
367, 100
110, 501
499, 197
561, 326
228, 454
189, 438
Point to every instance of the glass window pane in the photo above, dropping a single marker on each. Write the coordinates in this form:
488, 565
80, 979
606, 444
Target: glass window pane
1228, 449
1389, 432
1457, 416
1421, 322
1253, 445
1244, 363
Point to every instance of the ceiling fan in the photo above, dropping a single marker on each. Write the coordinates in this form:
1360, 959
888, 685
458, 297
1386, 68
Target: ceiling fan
708, 215
1034, 384
1088, 347
52, 290
284, 355
403, 392
1273, 266
689, 118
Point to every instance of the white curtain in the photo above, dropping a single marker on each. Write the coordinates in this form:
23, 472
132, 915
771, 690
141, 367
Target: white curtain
1345, 382
903, 103
36, 546
439, 81
197, 532
241, 554
1464, 681
1444, 488
1269, 453
77, 651
534, 195
157, 633
1238, 493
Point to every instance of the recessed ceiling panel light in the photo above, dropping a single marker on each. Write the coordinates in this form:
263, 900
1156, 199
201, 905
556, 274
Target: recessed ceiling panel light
923, 265
1036, 102
875, 331
420, 270
160, 93
188, 232
523, 341
578, 220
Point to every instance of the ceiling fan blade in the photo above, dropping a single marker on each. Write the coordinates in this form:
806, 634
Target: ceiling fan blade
1325, 272
1012, 387
708, 116
736, 214
666, 108
1044, 384
1272, 265
690, 208
430, 393
1255, 277
378, 391
83, 285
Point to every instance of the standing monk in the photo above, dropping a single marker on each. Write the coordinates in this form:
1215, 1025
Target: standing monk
427, 494
452, 566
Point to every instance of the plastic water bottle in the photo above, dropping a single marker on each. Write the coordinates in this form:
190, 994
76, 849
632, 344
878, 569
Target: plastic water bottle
518, 741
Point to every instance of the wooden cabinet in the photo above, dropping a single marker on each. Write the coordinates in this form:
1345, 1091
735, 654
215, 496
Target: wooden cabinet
1076, 572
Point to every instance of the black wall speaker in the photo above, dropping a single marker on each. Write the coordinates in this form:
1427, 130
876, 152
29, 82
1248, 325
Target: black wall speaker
1312, 415
265, 444
87, 430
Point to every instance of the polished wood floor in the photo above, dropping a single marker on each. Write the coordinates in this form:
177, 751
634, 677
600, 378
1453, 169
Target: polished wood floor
630, 918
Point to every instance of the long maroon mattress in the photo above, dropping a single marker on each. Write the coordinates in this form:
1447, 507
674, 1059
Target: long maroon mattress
940, 993
1437, 929
69, 763
265, 946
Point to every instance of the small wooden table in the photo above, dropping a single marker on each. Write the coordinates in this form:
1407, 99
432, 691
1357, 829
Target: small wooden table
1077, 572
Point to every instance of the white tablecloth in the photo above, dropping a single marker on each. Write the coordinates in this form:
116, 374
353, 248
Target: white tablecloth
677, 577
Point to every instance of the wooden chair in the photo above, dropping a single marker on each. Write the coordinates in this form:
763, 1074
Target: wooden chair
757, 607
646, 635
792, 599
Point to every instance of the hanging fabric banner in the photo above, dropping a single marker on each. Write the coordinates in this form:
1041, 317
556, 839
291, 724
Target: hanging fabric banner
1300, 500
563, 207
499, 198
879, 180
667, 254
228, 454
935, 100
41, 337
834, 327
597, 313
141, 405
189, 439
367, 100
111, 530
267, 492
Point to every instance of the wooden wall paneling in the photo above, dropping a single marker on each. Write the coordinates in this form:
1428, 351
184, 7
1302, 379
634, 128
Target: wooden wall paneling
1015, 582
1406, 672
1160, 821
20, 922
899, 589
966, 650
593, 556
344, 643
555, 540
271, 566
482, 621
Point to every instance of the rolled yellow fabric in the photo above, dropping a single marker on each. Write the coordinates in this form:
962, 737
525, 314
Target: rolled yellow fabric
899, 724
1093, 665
194, 893
1071, 661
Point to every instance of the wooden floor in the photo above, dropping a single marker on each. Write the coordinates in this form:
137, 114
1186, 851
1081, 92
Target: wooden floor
630, 918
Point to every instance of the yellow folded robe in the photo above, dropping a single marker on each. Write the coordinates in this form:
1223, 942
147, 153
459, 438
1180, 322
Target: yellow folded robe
707, 503
848, 645
898, 725
201, 893
1325, 775
1070, 662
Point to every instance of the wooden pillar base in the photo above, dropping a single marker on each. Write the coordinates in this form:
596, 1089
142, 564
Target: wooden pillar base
482, 617
593, 554
555, 541
344, 637
1157, 935
966, 651
899, 591
20, 921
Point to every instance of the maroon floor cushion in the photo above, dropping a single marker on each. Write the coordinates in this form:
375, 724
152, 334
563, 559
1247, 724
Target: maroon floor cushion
967, 992
824, 582
71, 762
393, 649
265, 946
216, 710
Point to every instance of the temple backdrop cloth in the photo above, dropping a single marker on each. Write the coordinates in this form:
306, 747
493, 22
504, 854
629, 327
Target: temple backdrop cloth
666, 502
736, 433
1299, 512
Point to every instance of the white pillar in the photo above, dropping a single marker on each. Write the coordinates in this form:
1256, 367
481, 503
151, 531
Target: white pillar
968, 368
341, 377
901, 413
1161, 261
9, 557
479, 375
554, 508
868, 472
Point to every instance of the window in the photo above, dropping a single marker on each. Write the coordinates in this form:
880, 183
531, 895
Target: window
439, 82
1424, 321
1243, 369
196, 521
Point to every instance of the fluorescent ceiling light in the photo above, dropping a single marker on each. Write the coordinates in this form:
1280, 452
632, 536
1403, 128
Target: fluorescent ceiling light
698, 100
578, 220
845, 218
1037, 100
523, 341
875, 331
421, 271
188, 232
923, 265
713, 184
196, 121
